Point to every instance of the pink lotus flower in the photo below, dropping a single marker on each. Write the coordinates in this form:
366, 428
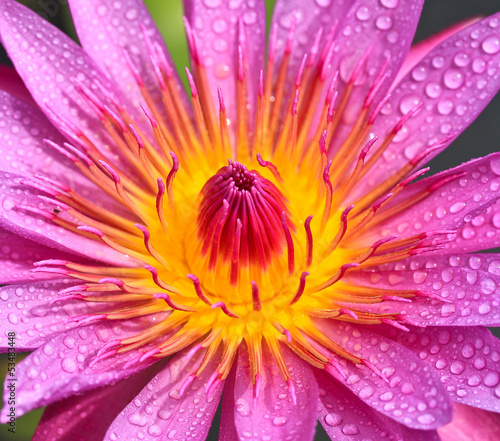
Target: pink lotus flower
265, 244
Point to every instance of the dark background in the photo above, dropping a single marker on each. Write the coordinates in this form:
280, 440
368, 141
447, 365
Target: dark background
481, 138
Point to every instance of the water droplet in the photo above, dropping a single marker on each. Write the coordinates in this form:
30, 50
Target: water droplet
102, 10
137, 419
438, 61
8, 204
131, 14
219, 26
68, 365
426, 418
155, 430
407, 388
474, 381
491, 379
242, 407
164, 414
393, 37
350, 429
363, 13
457, 207
386, 396
468, 351
419, 276
408, 102
383, 22
484, 308
390, 4
13, 318
433, 90
495, 166
445, 107
457, 367
441, 363
491, 44
250, 17
366, 392
462, 59
279, 421
419, 73
453, 78
488, 286
212, 3
220, 45
333, 419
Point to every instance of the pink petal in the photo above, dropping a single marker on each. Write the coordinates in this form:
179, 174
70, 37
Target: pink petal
460, 194
468, 283
24, 151
311, 16
26, 309
11, 82
419, 50
471, 424
412, 394
216, 27
273, 415
481, 233
383, 31
87, 417
455, 81
159, 410
50, 74
60, 368
41, 229
466, 360
106, 29
17, 256
345, 417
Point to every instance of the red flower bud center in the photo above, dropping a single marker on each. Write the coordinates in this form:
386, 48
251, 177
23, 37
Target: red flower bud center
240, 219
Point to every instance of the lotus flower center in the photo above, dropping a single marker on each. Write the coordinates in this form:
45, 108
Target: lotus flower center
240, 219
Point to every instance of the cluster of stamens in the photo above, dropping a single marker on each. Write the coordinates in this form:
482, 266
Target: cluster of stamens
207, 244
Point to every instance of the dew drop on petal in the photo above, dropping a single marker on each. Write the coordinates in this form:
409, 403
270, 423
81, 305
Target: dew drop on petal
426, 418
350, 429
68, 365
212, 3
491, 379
408, 102
8, 204
419, 73
438, 62
363, 13
457, 367
484, 308
154, 430
491, 44
461, 59
279, 421
137, 419
453, 78
468, 351
433, 90
390, 4
219, 25
333, 419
